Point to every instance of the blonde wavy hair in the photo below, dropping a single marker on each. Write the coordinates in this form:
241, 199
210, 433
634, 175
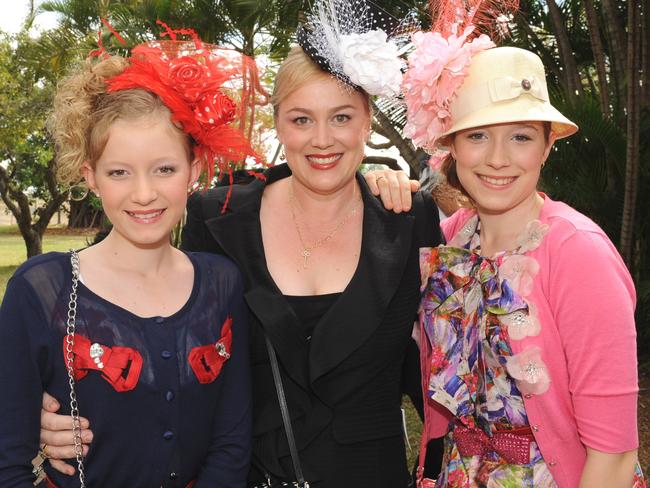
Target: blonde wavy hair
84, 111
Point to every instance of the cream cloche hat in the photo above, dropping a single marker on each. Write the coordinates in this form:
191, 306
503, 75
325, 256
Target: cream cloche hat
505, 84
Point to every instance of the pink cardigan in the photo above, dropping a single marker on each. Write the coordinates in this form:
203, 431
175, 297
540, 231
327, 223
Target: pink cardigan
585, 299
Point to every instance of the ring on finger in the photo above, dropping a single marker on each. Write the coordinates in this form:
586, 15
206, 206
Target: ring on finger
379, 178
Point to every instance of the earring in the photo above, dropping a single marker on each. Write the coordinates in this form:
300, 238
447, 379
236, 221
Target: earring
283, 156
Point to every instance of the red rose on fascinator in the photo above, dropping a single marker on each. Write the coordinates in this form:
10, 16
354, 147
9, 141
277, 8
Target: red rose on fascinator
189, 76
215, 108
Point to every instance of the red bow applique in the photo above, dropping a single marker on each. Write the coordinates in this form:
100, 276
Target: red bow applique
120, 366
207, 361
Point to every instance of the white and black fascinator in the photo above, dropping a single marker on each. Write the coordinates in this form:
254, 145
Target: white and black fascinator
359, 43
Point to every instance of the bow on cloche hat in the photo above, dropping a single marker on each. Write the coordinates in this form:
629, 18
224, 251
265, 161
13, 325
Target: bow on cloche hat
357, 42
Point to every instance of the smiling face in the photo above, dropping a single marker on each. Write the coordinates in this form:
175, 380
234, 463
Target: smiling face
142, 177
323, 128
499, 165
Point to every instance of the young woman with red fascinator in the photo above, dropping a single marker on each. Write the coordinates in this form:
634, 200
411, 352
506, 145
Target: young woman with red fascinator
148, 343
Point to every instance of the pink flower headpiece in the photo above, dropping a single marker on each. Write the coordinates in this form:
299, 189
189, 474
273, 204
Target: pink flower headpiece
440, 61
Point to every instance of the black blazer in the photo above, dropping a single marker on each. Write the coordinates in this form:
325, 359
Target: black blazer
344, 386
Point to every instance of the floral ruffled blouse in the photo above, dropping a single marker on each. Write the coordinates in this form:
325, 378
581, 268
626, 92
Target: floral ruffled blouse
472, 307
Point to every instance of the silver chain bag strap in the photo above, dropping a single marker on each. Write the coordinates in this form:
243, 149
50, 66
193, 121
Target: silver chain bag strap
69, 358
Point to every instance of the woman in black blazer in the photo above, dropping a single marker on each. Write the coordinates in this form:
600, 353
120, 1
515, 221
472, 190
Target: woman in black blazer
343, 384
332, 279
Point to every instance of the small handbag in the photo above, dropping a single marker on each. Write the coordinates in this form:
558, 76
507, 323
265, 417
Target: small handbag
286, 420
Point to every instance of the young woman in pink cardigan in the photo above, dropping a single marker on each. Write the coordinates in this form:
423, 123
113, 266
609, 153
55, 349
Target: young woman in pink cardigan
527, 318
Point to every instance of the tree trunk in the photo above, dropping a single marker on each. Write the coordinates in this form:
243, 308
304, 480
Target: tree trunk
384, 126
571, 74
633, 127
34, 244
84, 215
18, 204
645, 56
599, 55
617, 53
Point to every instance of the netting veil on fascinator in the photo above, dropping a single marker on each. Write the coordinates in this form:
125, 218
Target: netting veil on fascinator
358, 43
210, 91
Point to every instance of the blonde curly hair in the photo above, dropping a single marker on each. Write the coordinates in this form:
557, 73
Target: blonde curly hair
84, 111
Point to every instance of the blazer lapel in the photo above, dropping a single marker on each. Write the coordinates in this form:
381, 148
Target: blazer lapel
239, 233
354, 317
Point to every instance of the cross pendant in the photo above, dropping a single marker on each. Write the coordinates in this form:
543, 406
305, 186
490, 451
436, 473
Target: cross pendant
305, 254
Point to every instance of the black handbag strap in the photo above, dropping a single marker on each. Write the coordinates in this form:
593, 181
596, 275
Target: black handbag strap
285, 414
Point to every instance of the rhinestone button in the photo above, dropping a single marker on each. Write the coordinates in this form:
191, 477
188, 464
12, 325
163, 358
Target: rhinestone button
160, 320
169, 396
552, 463
166, 355
173, 476
525, 84
168, 436
96, 353
221, 350
527, 396
535, 428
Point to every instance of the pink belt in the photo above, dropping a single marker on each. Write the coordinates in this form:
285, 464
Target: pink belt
512, 445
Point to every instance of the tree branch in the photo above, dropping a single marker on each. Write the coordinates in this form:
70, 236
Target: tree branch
381, 145
404, 146
379, 129
4, 194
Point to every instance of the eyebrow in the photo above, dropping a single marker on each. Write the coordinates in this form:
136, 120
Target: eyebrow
527, 126
310, 112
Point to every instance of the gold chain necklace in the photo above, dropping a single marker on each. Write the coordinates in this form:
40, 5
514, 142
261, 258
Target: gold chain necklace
307, 250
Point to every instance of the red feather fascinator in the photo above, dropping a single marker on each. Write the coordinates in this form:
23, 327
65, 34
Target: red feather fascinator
211, 92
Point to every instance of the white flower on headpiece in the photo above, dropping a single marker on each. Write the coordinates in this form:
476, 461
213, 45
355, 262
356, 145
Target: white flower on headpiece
371, 62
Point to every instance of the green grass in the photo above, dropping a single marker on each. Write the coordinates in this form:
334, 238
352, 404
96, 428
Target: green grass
413, 429
13, 251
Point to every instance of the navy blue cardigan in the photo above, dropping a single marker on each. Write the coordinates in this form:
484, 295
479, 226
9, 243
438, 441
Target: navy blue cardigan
166, 431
